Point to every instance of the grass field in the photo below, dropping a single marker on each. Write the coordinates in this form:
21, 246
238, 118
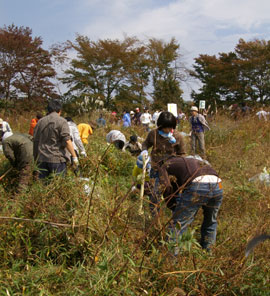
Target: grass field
58, 240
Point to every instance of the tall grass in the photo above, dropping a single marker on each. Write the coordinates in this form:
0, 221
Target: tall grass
47, 247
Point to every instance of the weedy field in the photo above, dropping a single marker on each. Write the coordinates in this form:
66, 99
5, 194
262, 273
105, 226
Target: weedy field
57, 239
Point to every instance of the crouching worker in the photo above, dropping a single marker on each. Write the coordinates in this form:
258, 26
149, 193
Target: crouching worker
116, 138
190, 185
18, 149
133, 146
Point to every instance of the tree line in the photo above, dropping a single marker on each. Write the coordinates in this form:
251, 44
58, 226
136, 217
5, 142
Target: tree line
126, 73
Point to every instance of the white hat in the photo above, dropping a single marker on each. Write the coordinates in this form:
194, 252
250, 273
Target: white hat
131, 112
6, 135
194, 108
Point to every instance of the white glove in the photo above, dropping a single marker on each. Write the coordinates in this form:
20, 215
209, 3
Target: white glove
75, 161
83, 153
144, 152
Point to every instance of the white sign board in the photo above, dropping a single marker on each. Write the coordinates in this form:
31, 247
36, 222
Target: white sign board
202, 105
173, 109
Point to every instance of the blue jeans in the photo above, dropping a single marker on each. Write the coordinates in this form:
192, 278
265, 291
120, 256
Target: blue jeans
209, 197
47, 168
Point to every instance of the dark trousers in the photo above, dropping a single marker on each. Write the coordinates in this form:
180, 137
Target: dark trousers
46, 168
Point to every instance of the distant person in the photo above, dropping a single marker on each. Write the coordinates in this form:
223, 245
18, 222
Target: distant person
18, 149
146, 119
51, 139
155, 116
85, 131
75, 138
33, 123
137, 116
188, 185
262, 115
126, 119
101, 122
116, 138
133, 146
132, 116
198, 126
4, 126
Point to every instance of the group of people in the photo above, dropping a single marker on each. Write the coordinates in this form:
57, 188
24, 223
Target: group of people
185, 182
51, 143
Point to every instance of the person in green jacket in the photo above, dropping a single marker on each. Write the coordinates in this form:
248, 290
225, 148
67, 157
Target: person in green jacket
18, 149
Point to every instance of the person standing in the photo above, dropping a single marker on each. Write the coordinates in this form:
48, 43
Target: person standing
155, 117
51, 139
145, 119
85, 131
126, 119
18, 149
198, 126
137, 116
188, 185
33, 123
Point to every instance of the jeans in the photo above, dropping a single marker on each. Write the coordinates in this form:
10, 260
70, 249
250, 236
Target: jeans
198, 138
47, 168
209, 197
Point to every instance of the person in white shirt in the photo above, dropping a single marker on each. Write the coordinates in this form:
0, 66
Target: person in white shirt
75, 137
155, 116
262, 114
146, 119
4, 126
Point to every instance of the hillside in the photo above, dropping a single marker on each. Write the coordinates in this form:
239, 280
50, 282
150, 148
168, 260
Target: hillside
70, 242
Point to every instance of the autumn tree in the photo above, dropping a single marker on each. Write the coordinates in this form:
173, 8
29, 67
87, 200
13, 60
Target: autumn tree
25, 66
105, 68
165, 72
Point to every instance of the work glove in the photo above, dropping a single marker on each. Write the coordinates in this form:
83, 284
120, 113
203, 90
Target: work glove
75, 162
83, 154
144, 152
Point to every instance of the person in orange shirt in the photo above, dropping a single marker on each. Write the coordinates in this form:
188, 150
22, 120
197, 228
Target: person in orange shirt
85, 130
33, 123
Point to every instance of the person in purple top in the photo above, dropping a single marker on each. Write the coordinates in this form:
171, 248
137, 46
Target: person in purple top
198, 126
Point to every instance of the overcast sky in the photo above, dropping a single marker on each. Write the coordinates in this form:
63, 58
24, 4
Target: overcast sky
199, 26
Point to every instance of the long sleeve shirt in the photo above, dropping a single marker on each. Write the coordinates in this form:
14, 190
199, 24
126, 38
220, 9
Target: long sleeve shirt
18, 149
161, 147
50, 139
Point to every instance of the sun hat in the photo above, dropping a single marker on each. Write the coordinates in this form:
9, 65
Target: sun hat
194, 108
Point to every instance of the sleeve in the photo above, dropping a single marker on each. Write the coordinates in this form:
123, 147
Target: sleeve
90, 131
77, 139
8, 152
180, 144
65, 133
148, 143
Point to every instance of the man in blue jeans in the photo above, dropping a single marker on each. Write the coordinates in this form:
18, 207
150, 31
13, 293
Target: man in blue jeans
190, 184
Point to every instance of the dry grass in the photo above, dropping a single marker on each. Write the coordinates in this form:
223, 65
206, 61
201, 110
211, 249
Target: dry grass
123, 253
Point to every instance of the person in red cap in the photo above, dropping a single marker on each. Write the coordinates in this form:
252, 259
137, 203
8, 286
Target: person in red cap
137, 116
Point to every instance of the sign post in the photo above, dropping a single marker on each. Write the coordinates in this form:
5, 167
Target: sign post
173, 109
202, 105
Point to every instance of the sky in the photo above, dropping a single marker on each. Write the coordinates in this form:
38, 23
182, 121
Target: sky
199, 26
